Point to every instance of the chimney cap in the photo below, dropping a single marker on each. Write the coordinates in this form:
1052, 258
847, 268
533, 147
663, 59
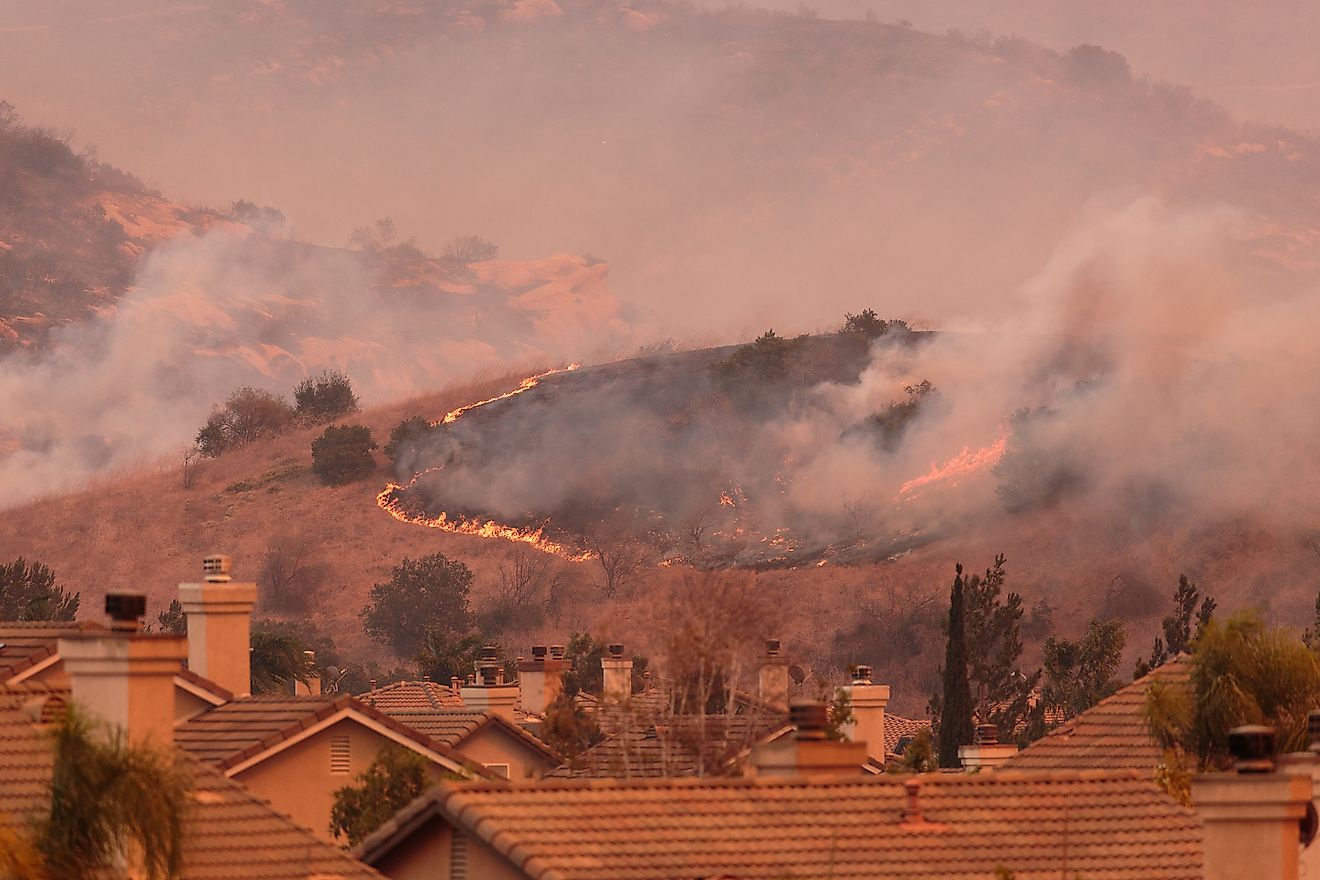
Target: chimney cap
489, 653
986, 735
216, 568
1252, 748
125, 610
772, 647
809, 719
557, 652
538, 652
861, 674
616, 650
1313, 728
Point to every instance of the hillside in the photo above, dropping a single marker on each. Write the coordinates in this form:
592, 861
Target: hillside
144, 530
124, 316
72, 231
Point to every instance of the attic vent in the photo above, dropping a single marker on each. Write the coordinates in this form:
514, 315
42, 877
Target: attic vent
500, 770
339, 756
458, 857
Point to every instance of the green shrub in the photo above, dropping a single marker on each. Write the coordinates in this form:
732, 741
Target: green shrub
342, 454
422, 598
325, 397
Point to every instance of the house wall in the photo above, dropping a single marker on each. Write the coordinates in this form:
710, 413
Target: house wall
187, 704
494, 745
427, 854
298, 781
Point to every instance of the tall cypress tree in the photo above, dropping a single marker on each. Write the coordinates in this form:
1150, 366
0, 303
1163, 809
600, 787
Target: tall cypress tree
956, 690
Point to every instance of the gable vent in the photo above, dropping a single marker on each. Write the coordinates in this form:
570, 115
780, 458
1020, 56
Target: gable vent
339, 756
458, 856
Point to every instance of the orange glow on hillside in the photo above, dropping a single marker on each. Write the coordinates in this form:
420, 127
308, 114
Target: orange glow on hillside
390, 498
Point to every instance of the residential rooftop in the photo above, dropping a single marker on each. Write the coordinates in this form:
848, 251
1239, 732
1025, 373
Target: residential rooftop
1101, 825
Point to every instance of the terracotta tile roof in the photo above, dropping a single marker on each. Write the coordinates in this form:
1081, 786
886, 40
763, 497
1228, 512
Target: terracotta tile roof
24, 645
897, 727
643, 746
654, 701
231, 835
25, 756
246, 728
453, 726
412, 695
222, 694
1113, 825
1110, 735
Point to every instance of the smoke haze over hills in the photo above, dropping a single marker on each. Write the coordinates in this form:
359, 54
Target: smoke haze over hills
722, 162
1129, 262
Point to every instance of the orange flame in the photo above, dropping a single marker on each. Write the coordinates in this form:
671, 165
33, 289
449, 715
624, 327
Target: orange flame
967, 462
525, 385
389, 501
390, 498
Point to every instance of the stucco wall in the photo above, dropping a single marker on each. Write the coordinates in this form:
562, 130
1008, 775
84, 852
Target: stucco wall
426, 855
298, 781
493, 745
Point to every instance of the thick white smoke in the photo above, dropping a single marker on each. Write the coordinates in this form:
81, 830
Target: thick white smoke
232, 307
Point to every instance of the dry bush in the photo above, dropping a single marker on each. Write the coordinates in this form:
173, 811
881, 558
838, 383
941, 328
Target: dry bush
716, 625
291, 575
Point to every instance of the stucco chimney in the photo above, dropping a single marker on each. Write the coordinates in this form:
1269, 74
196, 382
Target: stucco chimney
124, 676
774, 676
985, 752
1252, 815
868, 708
1308, 764
219, 626
540, 680
807, 750
488, 691
617, 671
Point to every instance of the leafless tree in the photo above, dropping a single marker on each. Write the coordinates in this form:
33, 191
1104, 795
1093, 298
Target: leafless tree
191, 460
621, 556
695, 525
291, 576
470, 249
526, 577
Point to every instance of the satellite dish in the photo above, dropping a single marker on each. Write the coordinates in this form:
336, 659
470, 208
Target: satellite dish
797, 673
332, 671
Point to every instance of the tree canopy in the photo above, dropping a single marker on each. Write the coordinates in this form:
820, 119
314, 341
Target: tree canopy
28, 591
1242, 672
342, 454
1178, 632
394, 779
1000, 691
421, 596
247, 415
953, 704
108, 795
1081, 673
277, 661
325, 397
